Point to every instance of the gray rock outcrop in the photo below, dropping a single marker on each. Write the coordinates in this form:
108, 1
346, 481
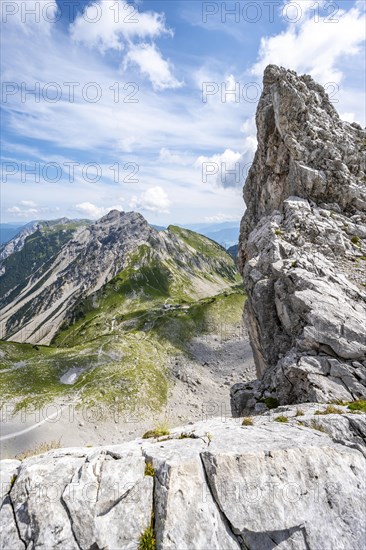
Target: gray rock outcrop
216, 484
303, 246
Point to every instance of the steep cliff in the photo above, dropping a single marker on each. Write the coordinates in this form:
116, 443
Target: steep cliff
303, 246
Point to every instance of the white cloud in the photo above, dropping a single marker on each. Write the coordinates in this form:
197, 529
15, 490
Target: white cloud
32, 16
169, 157
151, 64
349, 117
154, 199
29, 210
18, 212
110, 25
230, 168
315, 47
30, 204
95, 212
221, 218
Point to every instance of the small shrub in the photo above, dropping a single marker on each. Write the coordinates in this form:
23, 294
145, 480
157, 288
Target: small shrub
147, 540
330, 409
299, 412
359, 405
281, 418
13, 480
247, 421
149, 469
159, 431
316, 426
278, 232
356, 240
185, 435
271, 402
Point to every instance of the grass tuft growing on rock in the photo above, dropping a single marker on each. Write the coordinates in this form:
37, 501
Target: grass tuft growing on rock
299, 412
247, 421
317, 426
330, 409
356, 240
147, 540
149, 469
359, 405
159, 431
281, 418
40, 449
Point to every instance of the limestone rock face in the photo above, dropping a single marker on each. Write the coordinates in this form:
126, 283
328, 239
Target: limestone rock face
303, 245
217, 484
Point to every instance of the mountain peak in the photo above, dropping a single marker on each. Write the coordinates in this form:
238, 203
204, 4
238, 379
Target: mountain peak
302, 244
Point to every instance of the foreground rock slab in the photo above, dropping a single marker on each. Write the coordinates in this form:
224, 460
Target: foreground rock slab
297, 483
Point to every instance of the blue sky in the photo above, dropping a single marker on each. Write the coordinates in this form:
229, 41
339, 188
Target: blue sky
129, 109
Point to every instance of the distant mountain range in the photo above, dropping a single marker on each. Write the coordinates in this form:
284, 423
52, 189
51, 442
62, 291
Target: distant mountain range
105, 306
51, 269
224, 233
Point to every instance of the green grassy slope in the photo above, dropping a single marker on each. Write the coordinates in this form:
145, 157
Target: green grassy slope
122, 339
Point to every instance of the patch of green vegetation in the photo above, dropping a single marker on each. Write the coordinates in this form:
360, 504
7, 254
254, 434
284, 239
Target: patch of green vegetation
330, 409
121, 339
359, 405
40, 449
299, 412
281, 418
147, 539
315, 425
198, 242
38, 249
12, 481
149, 469
278, 232
159, 431
356, 241
247, 421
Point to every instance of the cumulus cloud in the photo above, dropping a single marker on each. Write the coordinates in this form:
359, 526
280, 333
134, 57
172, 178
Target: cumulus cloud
311, 46
18, 212
108, 25
228, 169
119, 26
30, 210
154, 199
95, 212
152, 64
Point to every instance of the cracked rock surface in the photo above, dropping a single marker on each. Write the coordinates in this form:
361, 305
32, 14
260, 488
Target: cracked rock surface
303, 245
218, 484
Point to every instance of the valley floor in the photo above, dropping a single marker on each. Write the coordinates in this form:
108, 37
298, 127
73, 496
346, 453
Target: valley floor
198, 390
